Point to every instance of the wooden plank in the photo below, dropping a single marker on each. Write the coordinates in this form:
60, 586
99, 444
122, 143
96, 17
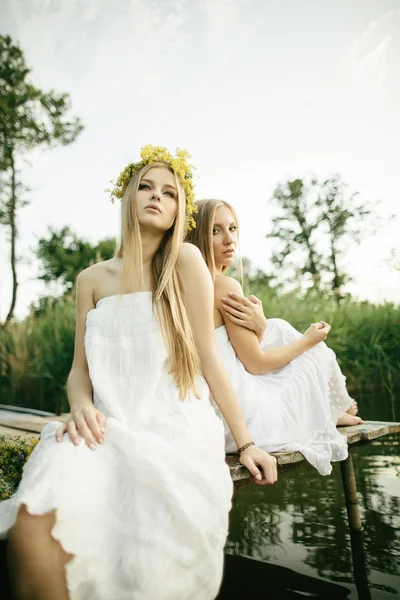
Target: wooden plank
30, 423
367, 431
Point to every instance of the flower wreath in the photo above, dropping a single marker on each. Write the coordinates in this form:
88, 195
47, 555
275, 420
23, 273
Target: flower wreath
179, 164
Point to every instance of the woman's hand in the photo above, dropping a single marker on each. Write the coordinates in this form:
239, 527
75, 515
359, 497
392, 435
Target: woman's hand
86, 422
316, 333
247, 312
253, 457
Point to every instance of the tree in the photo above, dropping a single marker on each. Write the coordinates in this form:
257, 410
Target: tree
29, 119
296, 230
63, 255
317, 221
341, 215
394, 260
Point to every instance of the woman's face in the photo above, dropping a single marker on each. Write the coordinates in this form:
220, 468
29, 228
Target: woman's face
157, 199
225, 237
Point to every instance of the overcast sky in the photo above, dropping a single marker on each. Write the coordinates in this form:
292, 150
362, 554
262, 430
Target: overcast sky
257, 90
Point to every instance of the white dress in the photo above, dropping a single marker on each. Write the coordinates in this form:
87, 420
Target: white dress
146, 514
294, 408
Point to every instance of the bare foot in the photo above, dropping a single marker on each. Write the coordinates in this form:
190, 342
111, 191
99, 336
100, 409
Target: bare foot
347, 419
353, 409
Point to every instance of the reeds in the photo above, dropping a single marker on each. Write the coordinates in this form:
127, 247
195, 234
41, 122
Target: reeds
36, 354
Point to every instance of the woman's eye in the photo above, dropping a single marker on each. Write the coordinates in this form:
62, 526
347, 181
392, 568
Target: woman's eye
215, 231
143, 186
233, 228
171, 194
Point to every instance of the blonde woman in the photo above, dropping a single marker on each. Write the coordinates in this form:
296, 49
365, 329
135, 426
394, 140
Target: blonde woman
129, 500
289, 385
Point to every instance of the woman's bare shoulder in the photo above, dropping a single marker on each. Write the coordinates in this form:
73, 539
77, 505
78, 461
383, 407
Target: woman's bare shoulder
224, 285
188, 252
98, 274
194, 271
93, 271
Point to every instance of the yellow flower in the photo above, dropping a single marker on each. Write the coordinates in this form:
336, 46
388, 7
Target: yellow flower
31, 447
180, 165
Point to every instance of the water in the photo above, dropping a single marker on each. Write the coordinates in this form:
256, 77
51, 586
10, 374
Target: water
291, 540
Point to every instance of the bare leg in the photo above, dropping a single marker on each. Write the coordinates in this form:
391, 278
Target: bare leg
37, 561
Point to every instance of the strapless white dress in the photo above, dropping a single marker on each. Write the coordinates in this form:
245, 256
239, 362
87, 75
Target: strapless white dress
146, 514
294, 408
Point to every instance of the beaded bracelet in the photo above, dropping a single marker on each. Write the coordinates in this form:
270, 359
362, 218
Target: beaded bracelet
243, 448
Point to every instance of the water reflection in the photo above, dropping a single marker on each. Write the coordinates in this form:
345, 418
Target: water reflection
301, 523
246, 578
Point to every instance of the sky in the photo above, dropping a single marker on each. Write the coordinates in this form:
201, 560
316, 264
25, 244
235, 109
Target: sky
259, 91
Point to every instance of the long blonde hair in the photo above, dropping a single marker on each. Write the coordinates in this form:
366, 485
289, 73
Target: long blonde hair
202, 235
166, 280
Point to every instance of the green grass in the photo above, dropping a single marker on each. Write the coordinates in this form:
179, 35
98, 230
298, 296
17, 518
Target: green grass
364, 336
36, 354
35, 358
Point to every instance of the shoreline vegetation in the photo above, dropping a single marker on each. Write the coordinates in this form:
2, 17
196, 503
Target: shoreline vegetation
36, 353
14, 453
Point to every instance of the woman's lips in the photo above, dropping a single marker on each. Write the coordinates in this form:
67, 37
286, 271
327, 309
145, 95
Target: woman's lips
153, 207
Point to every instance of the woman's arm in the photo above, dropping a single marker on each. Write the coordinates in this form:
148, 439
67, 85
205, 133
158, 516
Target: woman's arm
246, 345
86, 421
199, 300
246, 312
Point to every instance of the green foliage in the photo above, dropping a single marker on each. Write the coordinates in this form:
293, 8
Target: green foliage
341, 216
63, 255
13, 455
296, 229
29, 119
315, 224
364, 336
29, 116
36, 357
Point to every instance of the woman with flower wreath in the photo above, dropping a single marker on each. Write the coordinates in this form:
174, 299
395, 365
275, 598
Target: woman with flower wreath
289, 385
130, 498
